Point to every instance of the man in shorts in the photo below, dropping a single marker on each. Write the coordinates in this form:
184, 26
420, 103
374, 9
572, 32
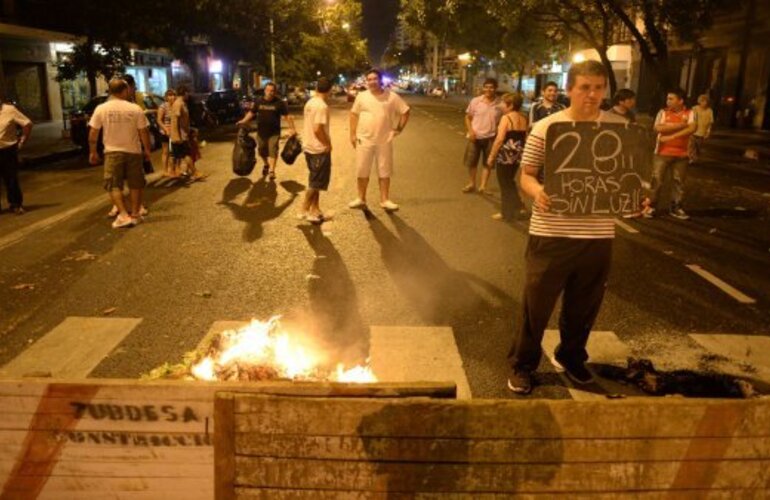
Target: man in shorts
125, 132
481, 118
179, 132
376, 118
268, 110
318, 150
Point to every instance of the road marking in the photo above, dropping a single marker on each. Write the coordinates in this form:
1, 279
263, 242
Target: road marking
625, 226
72, 349
417, 353
753, 350
41, 225
603, 347
725, 287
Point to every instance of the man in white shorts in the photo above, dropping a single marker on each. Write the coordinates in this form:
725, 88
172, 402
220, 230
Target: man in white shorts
377, 117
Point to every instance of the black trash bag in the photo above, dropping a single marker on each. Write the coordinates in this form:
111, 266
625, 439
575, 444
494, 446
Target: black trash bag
291, 149
244, 153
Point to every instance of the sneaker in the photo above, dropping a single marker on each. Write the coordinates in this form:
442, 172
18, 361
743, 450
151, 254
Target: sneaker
678, 213
470, 188
497, 216
520, 382
143, 211
357, 203
301, 216
648, 212
389, 206
18, 210
122, 221
576, 372
315, 219
113, 212
136, 220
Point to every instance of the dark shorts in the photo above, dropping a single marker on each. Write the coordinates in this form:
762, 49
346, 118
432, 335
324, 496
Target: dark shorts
319, 170
180, 150
476, 149
267, 147
123, 167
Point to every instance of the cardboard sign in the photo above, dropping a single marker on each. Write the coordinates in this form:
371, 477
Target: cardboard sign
594, 168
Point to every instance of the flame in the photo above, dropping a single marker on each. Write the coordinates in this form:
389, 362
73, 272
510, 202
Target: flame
266, 344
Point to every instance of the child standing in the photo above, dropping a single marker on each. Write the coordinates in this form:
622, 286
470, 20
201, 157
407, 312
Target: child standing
704, 118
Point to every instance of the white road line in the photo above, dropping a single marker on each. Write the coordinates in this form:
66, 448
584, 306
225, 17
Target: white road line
603, 347
625, 226
72, 349
20, 234
753, 350
417, 353
40, 225
725, 287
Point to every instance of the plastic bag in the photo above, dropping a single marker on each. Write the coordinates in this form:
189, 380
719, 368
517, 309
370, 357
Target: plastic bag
291, 149
244, 153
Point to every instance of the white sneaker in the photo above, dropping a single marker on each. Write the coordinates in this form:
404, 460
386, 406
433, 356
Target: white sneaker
122, 221
113, 212
389, 206
301, 216
143, 211
357, 203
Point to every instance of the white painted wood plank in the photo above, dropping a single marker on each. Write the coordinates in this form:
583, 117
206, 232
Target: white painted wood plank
603, 347
417, 353
72, 349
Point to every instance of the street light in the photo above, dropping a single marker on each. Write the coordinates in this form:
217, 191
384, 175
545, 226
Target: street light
346, 26
578, 58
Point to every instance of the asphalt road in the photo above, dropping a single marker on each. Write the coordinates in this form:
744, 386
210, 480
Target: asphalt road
231, 248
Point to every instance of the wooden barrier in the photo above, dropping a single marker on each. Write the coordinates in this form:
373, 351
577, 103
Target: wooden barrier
128, 439
284, 447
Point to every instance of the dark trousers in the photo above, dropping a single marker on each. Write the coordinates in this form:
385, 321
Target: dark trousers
9, 174
579, 269
510, 203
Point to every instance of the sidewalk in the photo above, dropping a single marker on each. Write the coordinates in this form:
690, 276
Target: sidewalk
47, 143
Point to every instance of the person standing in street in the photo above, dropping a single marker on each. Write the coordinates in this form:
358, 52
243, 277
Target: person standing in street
623, 104
376, 118
546, 105
704, 119
318, 150
125, 132
10, 119
506, 155
481, 118
674, 125
565, 255
268, 111
164, 122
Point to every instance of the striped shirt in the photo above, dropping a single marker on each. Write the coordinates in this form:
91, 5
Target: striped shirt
562, 226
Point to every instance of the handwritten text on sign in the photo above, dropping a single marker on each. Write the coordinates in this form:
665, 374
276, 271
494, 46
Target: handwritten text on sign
596, 168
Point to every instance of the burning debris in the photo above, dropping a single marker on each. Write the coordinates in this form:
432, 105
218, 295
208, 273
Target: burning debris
262, 350
642, 373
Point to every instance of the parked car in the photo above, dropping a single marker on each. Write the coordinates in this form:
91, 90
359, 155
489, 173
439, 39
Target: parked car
353, 91
225, 105
79, 121
296, 96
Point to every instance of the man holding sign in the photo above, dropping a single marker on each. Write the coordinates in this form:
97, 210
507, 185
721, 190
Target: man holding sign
567, 254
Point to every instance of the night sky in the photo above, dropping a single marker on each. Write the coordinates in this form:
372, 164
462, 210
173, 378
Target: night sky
378, 24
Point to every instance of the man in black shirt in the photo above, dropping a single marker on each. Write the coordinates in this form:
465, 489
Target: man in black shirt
547, 105
268, 110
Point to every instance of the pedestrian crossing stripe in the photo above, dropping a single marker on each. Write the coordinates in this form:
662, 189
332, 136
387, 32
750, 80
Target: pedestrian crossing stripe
78, 345
72, 349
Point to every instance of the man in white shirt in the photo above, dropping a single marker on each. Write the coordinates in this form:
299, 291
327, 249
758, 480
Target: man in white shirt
481, 118
318, 150
125, 131
11, 119
377, 117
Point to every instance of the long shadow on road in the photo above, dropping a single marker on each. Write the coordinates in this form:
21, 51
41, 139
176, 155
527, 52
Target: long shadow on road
259, 205
334, 315
479, 313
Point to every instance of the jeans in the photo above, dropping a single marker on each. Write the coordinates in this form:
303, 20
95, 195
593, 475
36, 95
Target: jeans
9, 174
679, 171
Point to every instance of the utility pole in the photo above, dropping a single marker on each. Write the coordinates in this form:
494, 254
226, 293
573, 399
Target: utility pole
272, 51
